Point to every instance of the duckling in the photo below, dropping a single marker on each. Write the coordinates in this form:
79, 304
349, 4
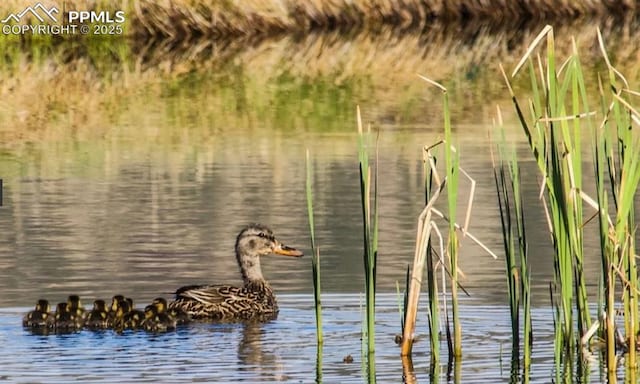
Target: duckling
180, 316
75, 307
113, 310
135, 316
39, 317
155, 321
115, 303
119, 320
66, 320
98, 317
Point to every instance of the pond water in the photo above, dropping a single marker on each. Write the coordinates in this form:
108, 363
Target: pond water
283, 350
151, 196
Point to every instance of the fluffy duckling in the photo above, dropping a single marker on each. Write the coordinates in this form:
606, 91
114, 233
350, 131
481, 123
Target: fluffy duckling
66, 320
98, 317
113, 310
180, 316
39, 317
155, 321
135, 316
120, 320
75, 307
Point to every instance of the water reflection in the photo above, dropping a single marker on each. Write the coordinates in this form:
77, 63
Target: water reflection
254, 358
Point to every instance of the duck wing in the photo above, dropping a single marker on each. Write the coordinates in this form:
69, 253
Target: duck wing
207, 294
224, 302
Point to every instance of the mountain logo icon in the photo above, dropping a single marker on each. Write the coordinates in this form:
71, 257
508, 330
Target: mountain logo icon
39, 11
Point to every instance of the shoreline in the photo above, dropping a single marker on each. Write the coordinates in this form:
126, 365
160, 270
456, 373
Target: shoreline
182, 21
251, 18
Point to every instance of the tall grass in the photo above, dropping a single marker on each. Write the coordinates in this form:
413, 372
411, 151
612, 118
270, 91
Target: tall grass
369, 225
559, 114
510, 203
616, 153
315, 260
557, 151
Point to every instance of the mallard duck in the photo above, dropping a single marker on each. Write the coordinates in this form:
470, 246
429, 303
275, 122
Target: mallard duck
66, 320
254, 300
155, 321
177, 314
98, 317
39, 317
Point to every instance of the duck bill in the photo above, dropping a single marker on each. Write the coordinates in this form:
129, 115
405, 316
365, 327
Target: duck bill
282, 249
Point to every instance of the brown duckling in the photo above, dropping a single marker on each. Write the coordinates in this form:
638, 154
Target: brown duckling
155, 321
113, 310
98, 317
66, 320
177, 314
135, 316
75, 307
39, 317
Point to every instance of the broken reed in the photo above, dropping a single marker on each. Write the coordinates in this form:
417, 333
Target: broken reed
507, 180
369, 226
558, 117
315, 259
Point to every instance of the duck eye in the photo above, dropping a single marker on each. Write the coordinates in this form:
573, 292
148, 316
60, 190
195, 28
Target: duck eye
263, 235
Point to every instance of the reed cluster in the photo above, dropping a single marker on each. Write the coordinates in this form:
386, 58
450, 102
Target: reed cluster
555, 120
514, 239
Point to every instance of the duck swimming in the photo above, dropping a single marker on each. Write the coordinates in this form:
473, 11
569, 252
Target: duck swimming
65, 320
156, 321
254, 300
98, 316
177, 314
39, 317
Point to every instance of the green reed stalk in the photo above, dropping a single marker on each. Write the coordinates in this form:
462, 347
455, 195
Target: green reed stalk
507, 179
452, 174
432, 281
315, 260
616, 152
370, 228
557, 151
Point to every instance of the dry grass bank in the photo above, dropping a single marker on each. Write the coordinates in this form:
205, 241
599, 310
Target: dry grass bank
70, 90
188, 19
180, 19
